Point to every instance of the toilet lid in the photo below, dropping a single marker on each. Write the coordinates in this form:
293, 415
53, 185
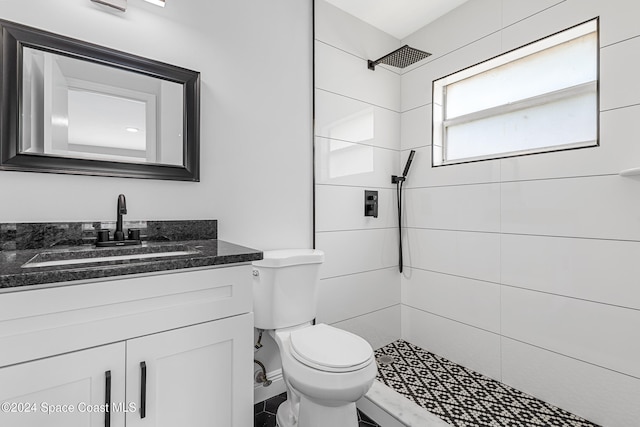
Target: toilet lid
330, 349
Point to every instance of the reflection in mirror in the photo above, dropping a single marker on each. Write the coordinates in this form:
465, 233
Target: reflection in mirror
80, 109
69, 106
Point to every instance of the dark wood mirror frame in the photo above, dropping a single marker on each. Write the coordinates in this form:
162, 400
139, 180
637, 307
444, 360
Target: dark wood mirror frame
15, 36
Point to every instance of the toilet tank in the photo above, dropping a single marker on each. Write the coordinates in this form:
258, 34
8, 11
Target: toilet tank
285, 287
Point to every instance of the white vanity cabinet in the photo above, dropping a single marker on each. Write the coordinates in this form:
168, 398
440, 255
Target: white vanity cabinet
64, 391
190, 332
191, 376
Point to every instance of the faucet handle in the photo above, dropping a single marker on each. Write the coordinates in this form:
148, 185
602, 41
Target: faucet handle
102, 235
134, 234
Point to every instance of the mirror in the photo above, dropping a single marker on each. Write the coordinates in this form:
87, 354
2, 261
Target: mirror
73, 107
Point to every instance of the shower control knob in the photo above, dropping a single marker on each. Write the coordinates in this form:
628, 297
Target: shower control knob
371, 203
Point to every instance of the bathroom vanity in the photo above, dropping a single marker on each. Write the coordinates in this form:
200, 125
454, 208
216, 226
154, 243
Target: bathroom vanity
142, 348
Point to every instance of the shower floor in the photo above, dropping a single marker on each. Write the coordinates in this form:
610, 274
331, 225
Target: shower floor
462, 397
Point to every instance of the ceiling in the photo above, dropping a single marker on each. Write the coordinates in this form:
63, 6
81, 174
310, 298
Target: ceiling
397, 17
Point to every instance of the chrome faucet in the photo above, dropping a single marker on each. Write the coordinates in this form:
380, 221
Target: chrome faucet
118, 236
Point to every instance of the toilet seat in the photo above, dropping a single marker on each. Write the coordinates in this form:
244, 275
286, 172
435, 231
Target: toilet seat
330, 349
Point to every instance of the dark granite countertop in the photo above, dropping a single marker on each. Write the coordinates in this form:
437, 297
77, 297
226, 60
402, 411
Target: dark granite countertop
200, 253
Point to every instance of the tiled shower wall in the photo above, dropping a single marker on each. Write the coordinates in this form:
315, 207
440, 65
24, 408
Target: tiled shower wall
527, 269
357, 146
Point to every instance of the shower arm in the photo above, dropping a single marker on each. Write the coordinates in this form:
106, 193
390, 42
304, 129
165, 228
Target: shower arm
372, 64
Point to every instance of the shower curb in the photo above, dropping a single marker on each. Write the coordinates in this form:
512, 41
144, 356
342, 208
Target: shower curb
391, 409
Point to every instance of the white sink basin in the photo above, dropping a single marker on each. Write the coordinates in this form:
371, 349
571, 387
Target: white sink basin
113, 256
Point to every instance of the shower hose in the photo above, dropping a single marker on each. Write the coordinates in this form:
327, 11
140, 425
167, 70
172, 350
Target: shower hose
399, 191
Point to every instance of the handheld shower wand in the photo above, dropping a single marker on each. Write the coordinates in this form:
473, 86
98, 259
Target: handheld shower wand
406, 168
399, 181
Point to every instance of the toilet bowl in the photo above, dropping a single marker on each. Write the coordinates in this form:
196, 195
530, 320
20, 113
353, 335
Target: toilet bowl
326, 370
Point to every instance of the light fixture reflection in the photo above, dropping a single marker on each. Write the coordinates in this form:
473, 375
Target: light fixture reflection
157, 2
57, 120
133, 130
122, 4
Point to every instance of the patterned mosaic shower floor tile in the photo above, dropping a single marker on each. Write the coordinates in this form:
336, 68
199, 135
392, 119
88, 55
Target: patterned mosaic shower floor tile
462, 397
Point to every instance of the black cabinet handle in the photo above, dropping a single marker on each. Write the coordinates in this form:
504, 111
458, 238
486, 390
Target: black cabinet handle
107, 398
143, 389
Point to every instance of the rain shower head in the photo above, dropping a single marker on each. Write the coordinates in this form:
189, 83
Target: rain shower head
400, 58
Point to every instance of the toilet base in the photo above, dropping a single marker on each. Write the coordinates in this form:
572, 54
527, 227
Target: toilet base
283, 415
313, 415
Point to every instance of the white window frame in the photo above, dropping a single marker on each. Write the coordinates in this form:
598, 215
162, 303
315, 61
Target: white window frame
440, 123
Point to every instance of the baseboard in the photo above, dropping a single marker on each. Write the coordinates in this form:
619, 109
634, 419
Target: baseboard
277, 386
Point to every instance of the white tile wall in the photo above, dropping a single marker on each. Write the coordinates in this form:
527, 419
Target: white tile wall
357, 148
354, 79
617, 69
357, 251
549, 21
343, 163
469, 301
416, 127
458, 207
523, 268
472, 347
516, 10
606, 271
606, 397
360, 293
342, 208
379, 327
470, 22
348, 119
537, 254
616, 20
603, 207
468, 254
588, 331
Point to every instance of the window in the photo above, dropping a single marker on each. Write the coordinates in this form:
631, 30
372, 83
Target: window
538, 98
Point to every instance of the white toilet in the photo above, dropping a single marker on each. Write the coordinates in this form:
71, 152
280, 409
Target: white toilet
325, 369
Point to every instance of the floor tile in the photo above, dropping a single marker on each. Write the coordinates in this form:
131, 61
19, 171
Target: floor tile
265, 413
462, 397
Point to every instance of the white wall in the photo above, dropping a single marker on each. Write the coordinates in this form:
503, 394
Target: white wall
255, 60
526, 269
357, 128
